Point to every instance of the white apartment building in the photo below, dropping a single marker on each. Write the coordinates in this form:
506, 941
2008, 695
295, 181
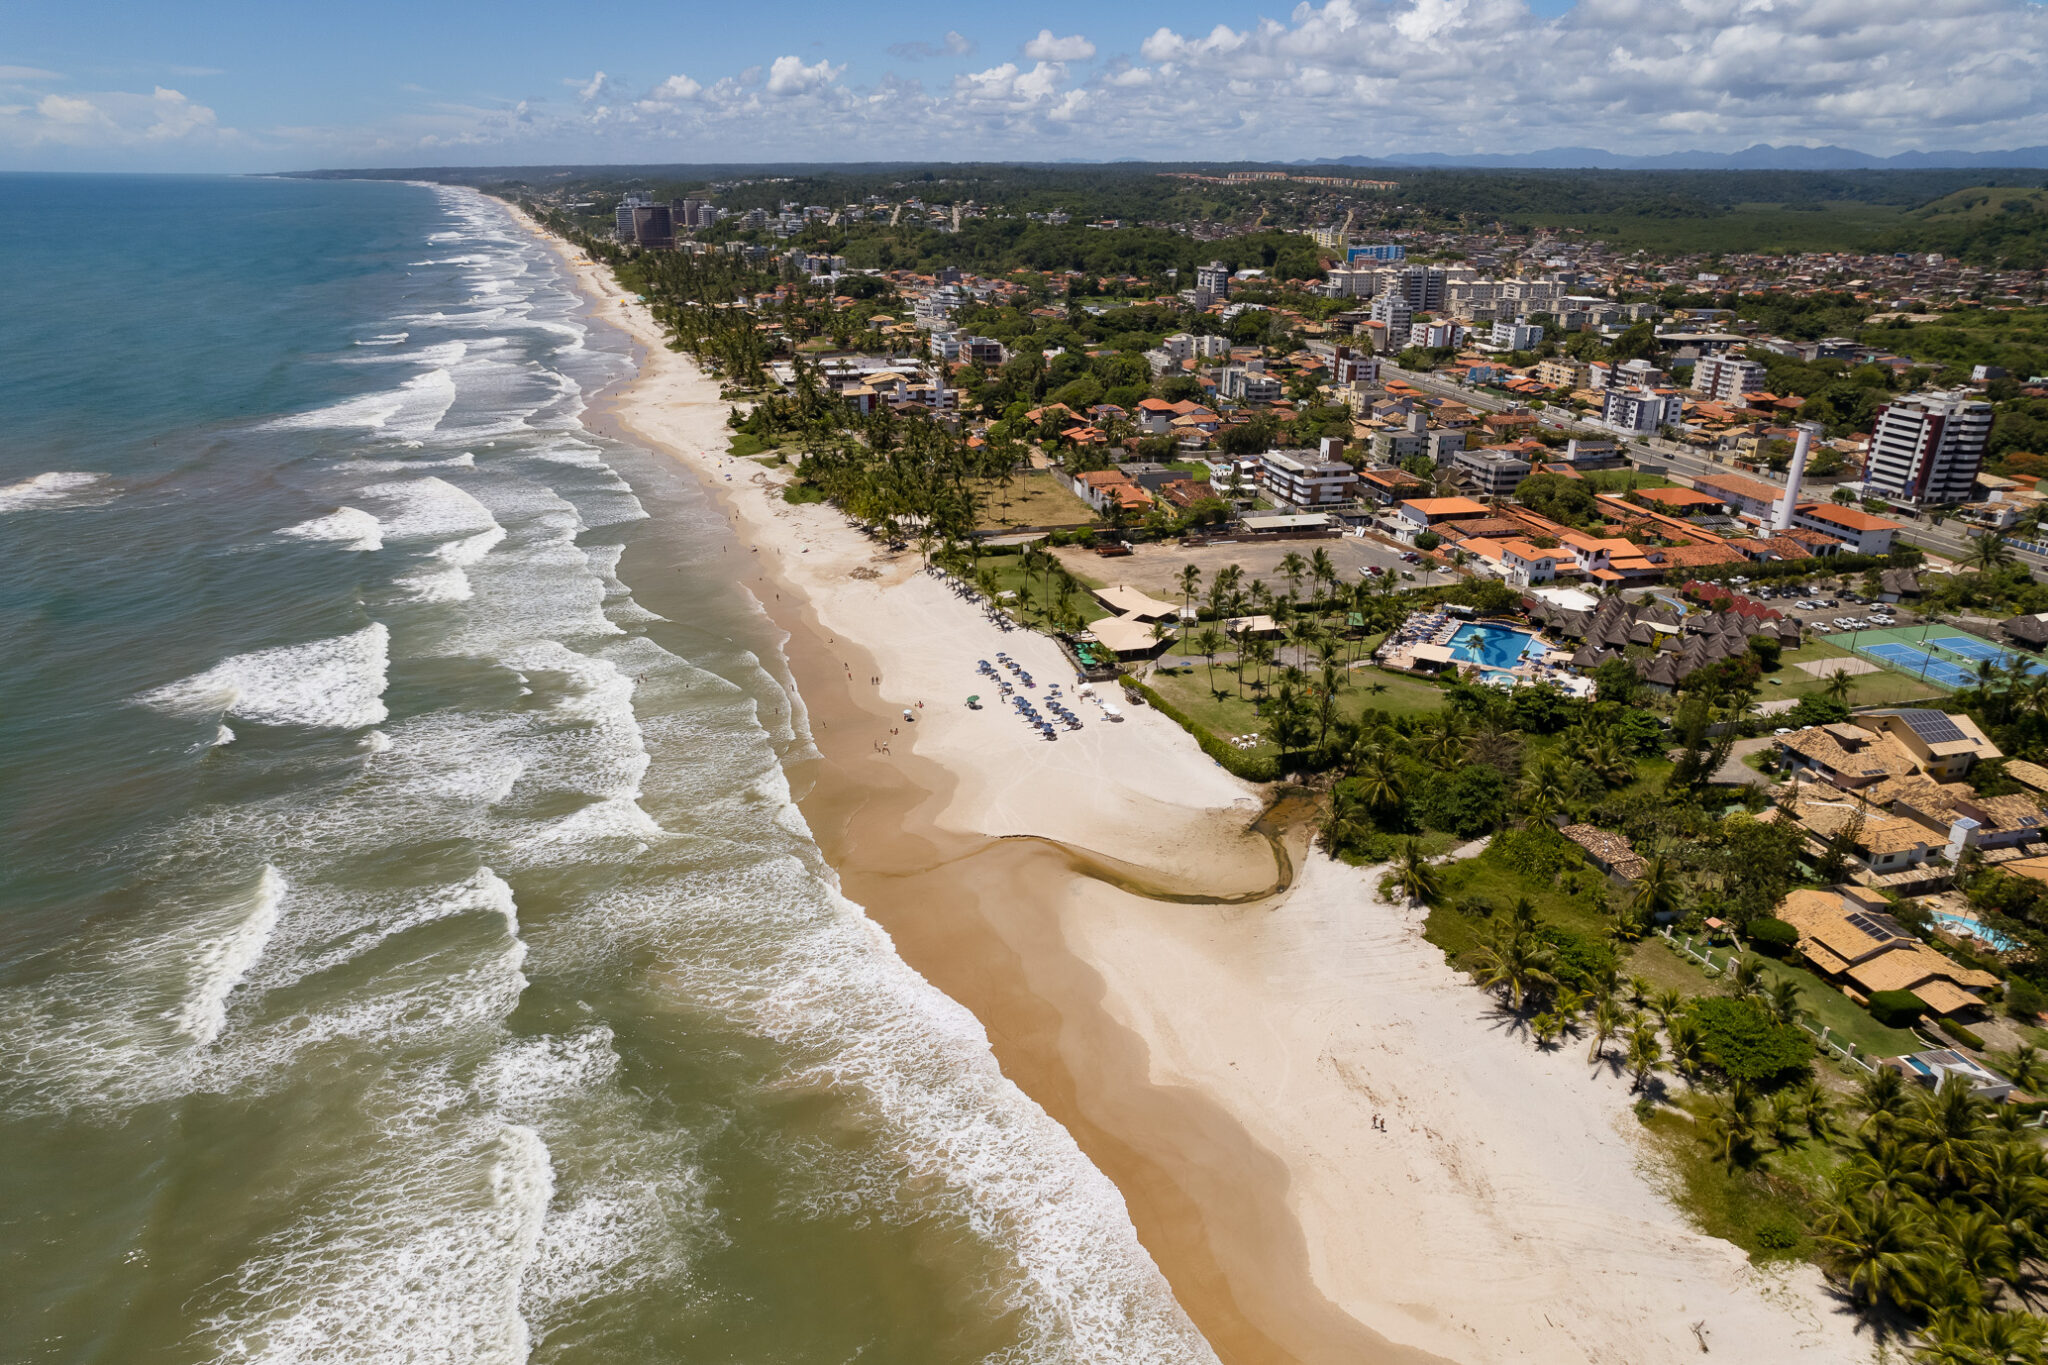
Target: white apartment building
1727, 378
1306, 478
1519, 335
1928, 448
1393, 310
1249, 383
1642, 410
1492, 472
1349, 367
1215, 278
1433, 334
1630, 374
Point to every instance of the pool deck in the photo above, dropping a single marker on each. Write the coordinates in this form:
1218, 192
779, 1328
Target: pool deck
1438, 628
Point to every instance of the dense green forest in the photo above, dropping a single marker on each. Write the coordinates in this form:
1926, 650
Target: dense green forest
1983, 216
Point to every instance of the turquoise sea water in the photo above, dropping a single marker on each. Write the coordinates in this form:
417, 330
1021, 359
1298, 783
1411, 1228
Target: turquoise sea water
409, 950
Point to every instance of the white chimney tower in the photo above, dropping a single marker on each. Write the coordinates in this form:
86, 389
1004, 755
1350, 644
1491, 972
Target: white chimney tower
1783, 519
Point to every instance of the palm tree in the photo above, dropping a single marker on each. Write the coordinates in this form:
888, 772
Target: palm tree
1781, 1000
2026, 1068
1414, 877
1656, 891
1816, 1110
1838, 686
1545, 790
1292, 568
1946, 1131
1515, 960
1608, 1017
1878, 1245
1321, 570
1644, 1052
1989, 553
1190, 584
1883, 1098
1209, 640
1688, 1050
1734, 1125
1379, 783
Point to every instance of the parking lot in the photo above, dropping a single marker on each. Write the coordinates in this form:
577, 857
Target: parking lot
1825, 608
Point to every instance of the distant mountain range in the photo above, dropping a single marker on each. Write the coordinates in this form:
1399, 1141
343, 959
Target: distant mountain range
1761, 157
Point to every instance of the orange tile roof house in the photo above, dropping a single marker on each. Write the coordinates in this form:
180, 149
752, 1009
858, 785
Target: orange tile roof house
1851, 940
1427, 512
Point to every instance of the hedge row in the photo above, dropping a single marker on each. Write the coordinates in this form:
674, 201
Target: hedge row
1250, 767
1961, 1034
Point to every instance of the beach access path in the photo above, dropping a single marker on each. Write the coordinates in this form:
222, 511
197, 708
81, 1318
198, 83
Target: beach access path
1221, 1063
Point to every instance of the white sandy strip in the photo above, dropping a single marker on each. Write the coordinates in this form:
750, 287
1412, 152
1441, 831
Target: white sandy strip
1505, 1217
1505, 1214
1100, 787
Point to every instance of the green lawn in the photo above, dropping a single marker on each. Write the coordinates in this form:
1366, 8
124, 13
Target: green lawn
1234, 713
1846, 1021
1882, 688
1030, 590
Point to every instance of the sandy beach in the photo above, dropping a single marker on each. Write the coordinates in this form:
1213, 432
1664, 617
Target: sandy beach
1221, 1062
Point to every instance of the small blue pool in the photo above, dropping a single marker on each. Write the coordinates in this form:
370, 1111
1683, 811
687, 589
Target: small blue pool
1983, 932
1493, 646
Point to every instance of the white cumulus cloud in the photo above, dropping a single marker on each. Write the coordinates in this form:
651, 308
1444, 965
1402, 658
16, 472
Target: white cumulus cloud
789, 75
676, 88
1046, 48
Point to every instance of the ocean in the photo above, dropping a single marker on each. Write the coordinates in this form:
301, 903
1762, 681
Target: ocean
410, 950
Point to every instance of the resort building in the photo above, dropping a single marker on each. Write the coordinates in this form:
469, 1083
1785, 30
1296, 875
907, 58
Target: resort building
1939, 1067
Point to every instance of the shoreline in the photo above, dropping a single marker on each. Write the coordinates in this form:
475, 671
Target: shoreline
1218, 1063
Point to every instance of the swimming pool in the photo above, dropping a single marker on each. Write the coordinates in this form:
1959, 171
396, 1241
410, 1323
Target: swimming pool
1493, 646
1984, 932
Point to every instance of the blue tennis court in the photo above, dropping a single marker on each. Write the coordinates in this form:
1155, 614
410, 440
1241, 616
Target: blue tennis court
1920, 663
1976, 650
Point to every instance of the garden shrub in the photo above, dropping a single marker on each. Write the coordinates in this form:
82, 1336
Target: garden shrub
1772, 937
1961, 1034
1895, 1009
1745, 1043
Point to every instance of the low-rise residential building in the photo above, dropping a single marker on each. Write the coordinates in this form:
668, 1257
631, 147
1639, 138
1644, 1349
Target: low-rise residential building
1640, 410
1561, 372
1728, 379
1850, 938
1492, 471
1304, 478
1423, 514
1519, 335
1857, 529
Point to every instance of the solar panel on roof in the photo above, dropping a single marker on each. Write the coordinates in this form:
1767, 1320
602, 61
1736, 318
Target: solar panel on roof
1932, 726
1876, 925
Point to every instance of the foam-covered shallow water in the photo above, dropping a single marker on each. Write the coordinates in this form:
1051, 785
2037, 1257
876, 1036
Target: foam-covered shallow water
412, 951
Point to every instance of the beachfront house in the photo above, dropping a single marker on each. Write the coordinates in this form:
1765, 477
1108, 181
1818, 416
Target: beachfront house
1850, 938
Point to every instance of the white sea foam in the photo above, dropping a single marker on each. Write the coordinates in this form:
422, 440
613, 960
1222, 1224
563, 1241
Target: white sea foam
224, 962
56, 489
336, 683
430, 508
436, 585
410, 411
354, 528
387, 339
466, 460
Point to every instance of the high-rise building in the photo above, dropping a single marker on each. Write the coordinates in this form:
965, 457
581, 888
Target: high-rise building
622, 217
1423, 286
653, 225
1727, 378
1928, 448
1214, 277
1383, 251
1393, 309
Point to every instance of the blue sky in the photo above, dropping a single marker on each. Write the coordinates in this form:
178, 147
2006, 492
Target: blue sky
218, 86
